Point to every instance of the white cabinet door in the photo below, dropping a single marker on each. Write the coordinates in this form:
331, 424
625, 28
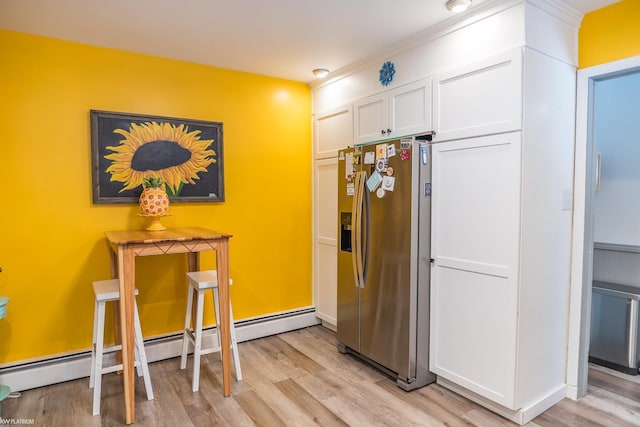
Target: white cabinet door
475, 223
405, 110
371, 118
333, 131
479, 99
410, 109
326, 239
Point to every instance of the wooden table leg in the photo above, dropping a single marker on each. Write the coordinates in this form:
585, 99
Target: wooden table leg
116, 309
222, 262
126, 273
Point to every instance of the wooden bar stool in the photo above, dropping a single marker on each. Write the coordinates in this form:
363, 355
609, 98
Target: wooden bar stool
200, 281
109, 291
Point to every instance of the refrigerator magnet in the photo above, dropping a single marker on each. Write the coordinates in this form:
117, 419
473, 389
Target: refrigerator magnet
380, 193
374, 181
391, 150
369, 158
404, 154
381, 151
348, 166
389, 171
381, 165
351, 189
388, 183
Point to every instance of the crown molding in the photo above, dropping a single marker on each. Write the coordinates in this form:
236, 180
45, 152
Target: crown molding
477, 13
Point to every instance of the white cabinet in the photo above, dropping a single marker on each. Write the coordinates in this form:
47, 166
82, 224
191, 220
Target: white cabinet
475, 223
501, 230
326, 240
333, 131
479, 99
402, 111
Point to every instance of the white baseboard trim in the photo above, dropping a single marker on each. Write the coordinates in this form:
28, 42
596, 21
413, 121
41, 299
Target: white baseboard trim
65, 368
572, 392
329, 325
520, 416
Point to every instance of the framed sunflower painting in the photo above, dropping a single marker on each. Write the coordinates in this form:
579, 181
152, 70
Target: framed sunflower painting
127, 148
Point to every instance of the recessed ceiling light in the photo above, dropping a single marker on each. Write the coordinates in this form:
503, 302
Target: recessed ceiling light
320, 72
457, 6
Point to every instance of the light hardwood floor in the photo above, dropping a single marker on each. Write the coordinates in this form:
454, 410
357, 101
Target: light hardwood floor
300, 379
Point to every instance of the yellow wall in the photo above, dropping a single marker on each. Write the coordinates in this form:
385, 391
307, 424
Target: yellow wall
52, 245
610, 34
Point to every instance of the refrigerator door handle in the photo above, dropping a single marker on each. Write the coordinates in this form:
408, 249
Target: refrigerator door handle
355, 233
358, 202
363, 253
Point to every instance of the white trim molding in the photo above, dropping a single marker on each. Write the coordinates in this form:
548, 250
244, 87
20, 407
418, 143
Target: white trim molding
581, 255
53, 370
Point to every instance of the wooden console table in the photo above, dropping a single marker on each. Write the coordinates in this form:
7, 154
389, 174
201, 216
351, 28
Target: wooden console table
128, 244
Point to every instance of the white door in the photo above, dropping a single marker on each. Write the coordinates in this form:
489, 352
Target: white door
479, 99
371, 118
326, 239
410, 109
476, 216
333, 131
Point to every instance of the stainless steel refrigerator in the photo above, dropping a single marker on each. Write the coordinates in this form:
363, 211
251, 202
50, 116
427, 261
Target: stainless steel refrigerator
384, 204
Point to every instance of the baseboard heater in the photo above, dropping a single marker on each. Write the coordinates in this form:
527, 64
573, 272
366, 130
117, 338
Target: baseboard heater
52, 370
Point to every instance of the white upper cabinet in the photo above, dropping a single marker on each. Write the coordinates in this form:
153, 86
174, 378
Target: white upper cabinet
402, 111
333, 131
479, 99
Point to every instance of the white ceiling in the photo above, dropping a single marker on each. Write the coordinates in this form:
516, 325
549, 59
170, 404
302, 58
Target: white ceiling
280, 38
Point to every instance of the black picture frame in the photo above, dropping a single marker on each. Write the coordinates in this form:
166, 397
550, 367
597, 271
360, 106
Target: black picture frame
125, 147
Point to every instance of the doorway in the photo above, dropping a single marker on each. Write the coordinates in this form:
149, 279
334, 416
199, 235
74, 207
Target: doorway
585, 182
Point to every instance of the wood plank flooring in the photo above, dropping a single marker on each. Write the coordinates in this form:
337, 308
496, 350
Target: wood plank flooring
300, 379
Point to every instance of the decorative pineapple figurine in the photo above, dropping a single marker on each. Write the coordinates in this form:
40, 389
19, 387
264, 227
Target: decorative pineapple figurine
154, 202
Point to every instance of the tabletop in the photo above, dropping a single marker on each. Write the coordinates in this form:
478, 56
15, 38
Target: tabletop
124, 237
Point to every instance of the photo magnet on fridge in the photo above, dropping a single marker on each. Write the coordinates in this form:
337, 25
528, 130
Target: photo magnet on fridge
374, 181
381, 165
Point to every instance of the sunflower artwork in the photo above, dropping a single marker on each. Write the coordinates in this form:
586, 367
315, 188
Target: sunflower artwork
129, 149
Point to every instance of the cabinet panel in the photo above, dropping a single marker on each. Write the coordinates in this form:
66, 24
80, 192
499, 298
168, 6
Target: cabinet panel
475, 244
410, 109
403, 111
326, 277
325, 239
371, 118
476, 185
334, 130
479, 99
326, 198
472, 332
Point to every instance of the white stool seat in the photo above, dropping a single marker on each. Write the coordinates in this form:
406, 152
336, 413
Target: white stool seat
109, 291
199, 282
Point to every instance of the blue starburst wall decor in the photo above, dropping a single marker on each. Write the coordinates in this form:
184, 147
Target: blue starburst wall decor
387, 71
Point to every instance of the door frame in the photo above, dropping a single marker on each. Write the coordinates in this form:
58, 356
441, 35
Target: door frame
582, 232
